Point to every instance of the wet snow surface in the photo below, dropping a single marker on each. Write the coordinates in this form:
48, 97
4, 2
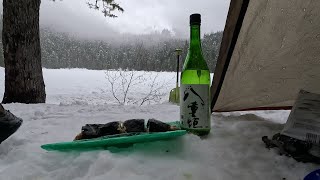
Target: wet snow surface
233, 150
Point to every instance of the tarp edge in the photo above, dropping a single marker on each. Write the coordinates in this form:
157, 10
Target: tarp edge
236, 14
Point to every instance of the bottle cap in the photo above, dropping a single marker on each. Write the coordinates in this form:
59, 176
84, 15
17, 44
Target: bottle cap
195, 19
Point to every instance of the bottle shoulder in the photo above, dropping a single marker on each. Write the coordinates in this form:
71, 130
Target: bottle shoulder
195, 64
195, 60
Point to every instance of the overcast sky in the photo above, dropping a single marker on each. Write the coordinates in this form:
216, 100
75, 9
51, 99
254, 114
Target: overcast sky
139, 16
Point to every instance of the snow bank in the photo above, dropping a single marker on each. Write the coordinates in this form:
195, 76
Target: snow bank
233, 150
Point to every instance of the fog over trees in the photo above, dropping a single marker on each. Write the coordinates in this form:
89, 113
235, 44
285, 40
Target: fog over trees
150, 52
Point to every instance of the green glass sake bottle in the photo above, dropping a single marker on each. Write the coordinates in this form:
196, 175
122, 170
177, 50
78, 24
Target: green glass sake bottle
195, 85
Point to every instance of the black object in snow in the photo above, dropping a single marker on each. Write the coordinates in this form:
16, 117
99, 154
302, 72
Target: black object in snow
9, 124
291, 147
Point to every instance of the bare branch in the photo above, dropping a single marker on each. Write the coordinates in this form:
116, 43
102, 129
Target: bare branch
111, 81
125, 80
153, 94
128, 86
106, 6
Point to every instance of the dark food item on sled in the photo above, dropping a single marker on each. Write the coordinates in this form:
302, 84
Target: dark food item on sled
134, 125
9, 124
154, 125
129, 126
97, 130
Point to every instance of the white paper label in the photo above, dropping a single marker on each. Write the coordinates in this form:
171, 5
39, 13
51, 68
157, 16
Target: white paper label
304, 120
195, 106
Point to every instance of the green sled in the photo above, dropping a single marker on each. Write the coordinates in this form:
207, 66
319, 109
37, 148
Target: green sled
119, 140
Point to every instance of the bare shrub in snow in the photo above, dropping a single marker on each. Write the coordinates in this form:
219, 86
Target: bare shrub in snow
122, 83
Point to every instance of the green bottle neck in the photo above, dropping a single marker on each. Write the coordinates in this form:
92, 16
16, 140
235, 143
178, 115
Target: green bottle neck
194, 59
195, 40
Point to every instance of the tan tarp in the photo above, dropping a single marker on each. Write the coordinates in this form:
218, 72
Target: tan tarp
276, 54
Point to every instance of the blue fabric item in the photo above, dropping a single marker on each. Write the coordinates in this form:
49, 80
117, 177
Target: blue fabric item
314, 175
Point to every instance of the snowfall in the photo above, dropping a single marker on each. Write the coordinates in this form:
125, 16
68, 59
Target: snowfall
75, 97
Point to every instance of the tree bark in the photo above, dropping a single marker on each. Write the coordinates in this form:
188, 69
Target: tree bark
22, 52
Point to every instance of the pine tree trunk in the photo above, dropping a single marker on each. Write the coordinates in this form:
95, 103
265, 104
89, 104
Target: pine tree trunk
22, 52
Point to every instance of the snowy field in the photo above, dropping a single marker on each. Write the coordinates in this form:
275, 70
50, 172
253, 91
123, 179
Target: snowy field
233, 150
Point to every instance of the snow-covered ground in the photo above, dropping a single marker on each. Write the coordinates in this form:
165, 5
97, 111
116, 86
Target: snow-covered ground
233, 150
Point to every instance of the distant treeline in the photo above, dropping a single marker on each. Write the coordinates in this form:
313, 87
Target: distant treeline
63, 51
